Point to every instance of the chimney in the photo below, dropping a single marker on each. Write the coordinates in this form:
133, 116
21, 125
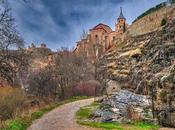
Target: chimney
43, 45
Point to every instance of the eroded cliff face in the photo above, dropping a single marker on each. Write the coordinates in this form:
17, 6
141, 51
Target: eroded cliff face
144, 65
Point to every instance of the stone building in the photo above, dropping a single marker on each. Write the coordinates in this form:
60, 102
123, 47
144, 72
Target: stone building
100, 38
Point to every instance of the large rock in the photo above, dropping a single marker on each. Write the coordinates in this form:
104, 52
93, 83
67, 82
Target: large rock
124, 106
112, 87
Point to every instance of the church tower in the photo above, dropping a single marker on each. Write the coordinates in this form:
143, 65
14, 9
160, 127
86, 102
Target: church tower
120, 26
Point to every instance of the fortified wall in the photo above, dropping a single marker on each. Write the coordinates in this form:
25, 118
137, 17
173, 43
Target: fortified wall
151, 22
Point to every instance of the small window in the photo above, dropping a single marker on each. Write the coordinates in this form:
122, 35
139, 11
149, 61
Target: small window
106, 37
96, 39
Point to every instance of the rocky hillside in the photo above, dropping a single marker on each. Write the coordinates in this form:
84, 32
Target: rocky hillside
144, 65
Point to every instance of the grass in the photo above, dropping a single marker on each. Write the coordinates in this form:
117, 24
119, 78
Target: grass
17, 124
85, 113
24, 122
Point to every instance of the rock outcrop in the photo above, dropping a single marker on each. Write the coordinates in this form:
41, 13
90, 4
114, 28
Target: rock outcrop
124, 106
144, 65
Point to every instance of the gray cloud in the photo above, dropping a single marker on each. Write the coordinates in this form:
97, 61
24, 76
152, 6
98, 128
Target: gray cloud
60, 22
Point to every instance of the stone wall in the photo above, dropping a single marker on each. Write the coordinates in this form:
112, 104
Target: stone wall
151, 22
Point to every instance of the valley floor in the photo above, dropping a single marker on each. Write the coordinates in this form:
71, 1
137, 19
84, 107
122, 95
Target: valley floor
62, 118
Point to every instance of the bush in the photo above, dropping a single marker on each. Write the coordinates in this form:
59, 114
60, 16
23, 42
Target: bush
163, 22
11, 102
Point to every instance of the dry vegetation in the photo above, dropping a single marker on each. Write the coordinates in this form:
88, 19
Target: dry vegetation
11, 102
65, 76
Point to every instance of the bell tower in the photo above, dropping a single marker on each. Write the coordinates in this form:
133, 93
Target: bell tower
120, 26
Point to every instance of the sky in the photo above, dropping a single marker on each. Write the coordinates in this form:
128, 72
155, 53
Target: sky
59, 23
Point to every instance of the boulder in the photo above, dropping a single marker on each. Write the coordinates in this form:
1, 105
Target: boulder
124, 106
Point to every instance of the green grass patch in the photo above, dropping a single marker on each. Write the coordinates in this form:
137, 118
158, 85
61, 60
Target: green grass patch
86, 112
36, 115
84, 115
106, 126
24, 122
17, 124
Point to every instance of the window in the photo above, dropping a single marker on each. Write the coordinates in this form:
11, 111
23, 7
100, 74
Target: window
96, 39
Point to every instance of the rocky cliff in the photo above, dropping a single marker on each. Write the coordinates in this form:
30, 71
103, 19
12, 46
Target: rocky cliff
144, 65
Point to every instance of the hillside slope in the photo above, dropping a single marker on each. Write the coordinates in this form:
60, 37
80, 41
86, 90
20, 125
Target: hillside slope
145, 65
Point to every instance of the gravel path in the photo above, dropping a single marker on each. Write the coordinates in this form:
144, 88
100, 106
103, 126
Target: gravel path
62, 118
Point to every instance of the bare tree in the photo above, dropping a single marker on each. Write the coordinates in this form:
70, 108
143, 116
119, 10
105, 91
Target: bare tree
10, 42
71, 69
84, 35
42, 84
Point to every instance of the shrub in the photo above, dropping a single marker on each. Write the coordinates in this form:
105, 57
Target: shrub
163, 22
11, 102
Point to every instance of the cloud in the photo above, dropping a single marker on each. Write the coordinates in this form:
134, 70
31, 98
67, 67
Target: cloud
60, 23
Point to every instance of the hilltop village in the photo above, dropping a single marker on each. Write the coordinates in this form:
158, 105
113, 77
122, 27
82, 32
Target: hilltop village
130, 72
101, 38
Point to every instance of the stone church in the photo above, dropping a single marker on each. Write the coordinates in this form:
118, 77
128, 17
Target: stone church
101, 38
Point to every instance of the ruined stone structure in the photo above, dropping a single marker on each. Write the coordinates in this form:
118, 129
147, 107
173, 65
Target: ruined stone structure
33, 47
101, 38
169, 2
151, 22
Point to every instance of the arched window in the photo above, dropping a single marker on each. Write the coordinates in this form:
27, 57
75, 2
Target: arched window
96, 39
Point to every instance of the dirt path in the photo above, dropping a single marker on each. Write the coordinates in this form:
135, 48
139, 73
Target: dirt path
62, 118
